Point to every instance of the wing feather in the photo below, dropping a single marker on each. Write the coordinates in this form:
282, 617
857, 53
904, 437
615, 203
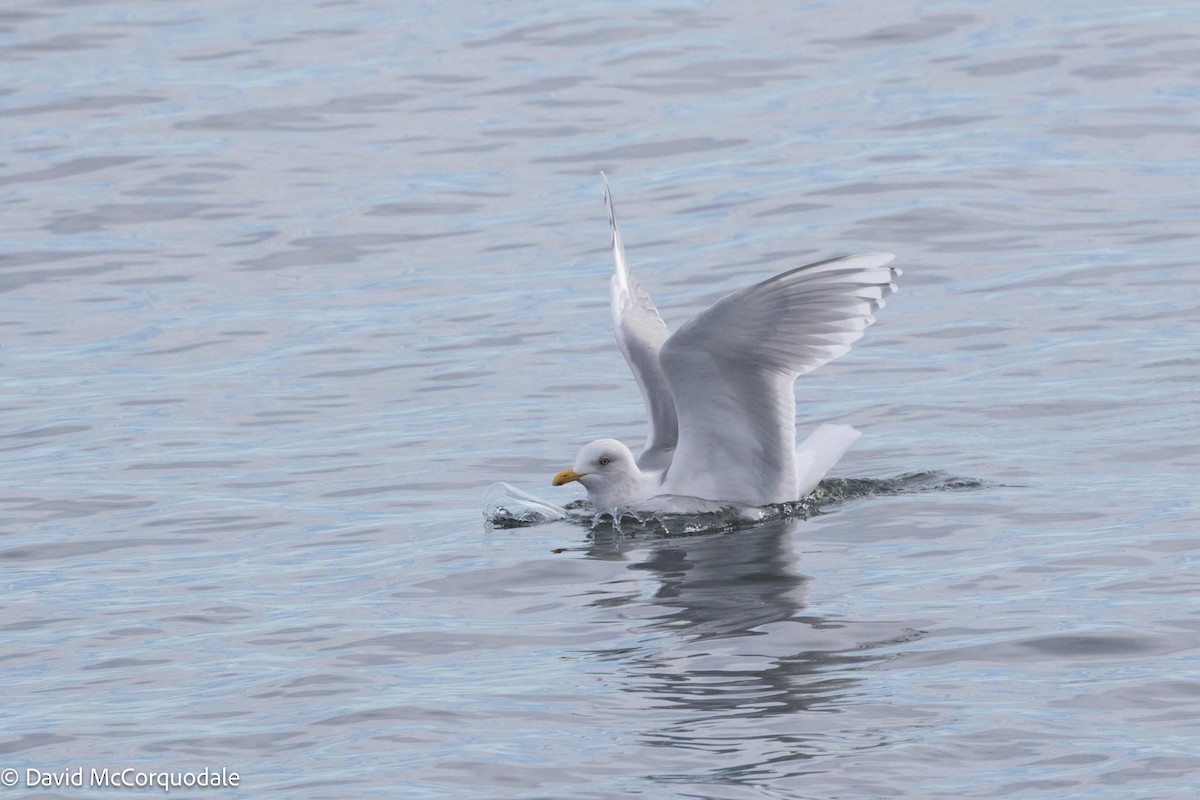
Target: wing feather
731, 370
640, 333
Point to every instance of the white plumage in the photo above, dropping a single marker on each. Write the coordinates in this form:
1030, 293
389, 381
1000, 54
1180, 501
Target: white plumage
719, 391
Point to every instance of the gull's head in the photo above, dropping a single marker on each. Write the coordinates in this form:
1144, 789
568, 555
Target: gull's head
609, 472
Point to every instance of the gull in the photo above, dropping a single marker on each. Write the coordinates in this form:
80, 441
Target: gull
720, 393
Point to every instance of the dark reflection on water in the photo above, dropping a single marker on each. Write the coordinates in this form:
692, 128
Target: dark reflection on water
721, 586
748, 675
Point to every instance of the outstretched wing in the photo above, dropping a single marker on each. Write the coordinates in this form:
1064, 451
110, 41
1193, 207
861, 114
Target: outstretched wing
731, 370
640, 334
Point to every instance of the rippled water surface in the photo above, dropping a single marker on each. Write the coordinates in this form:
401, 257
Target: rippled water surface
287, 285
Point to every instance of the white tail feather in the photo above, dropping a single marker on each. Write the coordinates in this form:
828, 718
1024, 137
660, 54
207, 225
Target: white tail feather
817, 454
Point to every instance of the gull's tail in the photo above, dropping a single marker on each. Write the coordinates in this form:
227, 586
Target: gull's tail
817, 454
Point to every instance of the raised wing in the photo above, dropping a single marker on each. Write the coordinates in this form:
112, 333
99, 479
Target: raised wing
731, 370
640, 334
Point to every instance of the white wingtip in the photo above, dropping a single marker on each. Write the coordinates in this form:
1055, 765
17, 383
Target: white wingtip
612, 218
618, 246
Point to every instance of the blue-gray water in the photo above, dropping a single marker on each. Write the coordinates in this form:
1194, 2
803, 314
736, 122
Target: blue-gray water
287, 285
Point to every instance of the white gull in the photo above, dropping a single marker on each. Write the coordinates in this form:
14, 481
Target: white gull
719, 391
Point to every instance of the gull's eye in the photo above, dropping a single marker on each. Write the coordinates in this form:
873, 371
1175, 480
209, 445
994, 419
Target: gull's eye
604, 461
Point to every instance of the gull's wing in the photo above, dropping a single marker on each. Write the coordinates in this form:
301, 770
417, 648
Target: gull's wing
731, 370
640, 333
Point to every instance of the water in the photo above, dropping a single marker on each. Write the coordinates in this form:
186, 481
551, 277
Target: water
287, 286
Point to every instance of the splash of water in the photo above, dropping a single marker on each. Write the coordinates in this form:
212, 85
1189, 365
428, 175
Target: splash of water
508, 507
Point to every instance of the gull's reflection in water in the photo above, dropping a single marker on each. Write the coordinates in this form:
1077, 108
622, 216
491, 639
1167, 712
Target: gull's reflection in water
732, 661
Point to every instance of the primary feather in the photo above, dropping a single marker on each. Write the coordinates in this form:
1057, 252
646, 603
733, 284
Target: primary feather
641, 333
